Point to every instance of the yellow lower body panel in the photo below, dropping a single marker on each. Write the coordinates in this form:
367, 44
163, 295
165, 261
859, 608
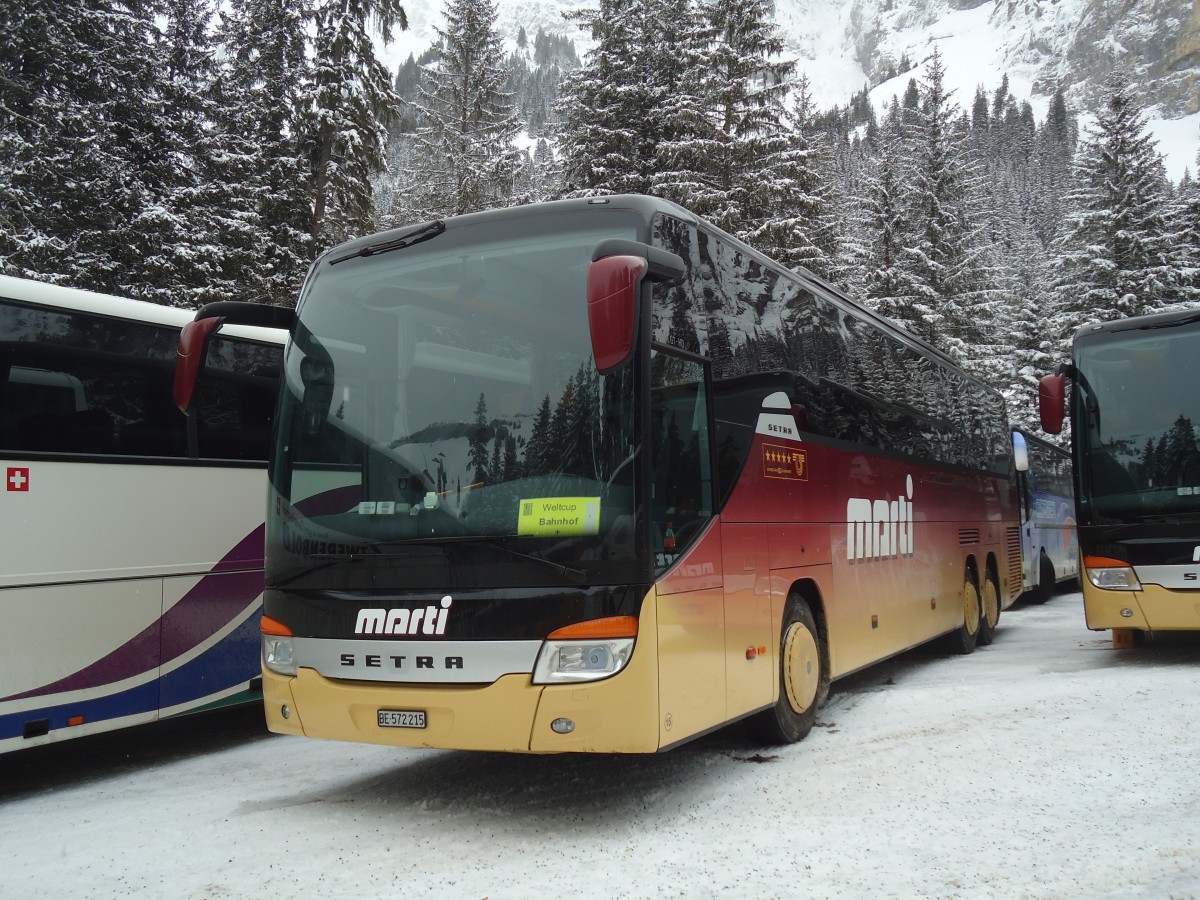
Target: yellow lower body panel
1153, 608
615, 715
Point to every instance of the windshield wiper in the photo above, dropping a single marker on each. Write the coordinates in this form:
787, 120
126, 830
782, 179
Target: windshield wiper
577, 575
423, 233
327, 560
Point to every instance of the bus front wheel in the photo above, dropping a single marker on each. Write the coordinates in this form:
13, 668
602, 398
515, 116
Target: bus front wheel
803, 679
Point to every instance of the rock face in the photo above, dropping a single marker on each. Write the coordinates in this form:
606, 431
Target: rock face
1072, 43
1185, 60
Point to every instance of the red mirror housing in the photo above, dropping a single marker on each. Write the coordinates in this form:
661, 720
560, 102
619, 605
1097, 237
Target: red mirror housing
1052, 393
189, 358
612, 304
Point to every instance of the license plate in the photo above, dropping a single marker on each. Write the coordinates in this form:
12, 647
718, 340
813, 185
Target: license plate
401, 718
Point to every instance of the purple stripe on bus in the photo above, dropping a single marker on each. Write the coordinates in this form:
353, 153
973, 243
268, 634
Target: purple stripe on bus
216, 600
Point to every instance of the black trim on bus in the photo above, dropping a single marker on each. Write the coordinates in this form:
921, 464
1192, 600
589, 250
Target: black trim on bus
477, 614
126, 460
157, 576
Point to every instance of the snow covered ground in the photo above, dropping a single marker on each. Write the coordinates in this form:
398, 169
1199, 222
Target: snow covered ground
1045, 766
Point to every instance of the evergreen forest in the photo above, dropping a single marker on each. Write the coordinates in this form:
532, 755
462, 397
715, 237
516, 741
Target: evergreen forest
187, 151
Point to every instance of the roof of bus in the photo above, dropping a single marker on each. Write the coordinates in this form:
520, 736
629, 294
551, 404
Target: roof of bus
53, 296
1153, 320
642, 204
646, 206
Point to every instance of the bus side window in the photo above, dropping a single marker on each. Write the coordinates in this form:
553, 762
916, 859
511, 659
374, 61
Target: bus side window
79, 383
683, 489
235, 400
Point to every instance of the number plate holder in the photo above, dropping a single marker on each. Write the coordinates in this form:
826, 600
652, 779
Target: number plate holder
401, 718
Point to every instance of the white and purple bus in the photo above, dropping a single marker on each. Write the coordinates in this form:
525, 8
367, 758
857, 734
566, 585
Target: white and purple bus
1049, 545
115, 610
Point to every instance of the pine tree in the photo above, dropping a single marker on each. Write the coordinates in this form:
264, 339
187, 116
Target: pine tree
952, 285
344, 114
81, 139
1115, 249
260, 91
881, 215
789, 206
1050, 169
477, 455
1184, 214
610, 107
196, 241
728, 134
465, 151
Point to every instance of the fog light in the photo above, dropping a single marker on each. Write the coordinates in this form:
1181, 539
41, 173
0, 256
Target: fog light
1127, 613
285, 712
562, 726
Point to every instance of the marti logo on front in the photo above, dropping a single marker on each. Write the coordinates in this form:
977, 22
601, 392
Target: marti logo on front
425, 620
877, 529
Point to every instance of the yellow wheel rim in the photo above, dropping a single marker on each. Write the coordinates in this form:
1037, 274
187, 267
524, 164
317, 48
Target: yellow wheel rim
971, 606
991, 603
801, 667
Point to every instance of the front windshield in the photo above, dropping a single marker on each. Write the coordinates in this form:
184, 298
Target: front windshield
1136, 406
442, 399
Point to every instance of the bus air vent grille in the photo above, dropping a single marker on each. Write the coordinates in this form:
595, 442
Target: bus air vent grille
968, 536
1014, 555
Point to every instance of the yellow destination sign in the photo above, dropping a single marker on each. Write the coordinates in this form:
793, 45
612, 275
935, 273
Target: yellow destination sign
554, 516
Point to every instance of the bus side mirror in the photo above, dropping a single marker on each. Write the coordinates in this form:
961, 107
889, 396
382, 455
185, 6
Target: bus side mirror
1020, 452
193, 340
1052, 392
614, 285
189, 359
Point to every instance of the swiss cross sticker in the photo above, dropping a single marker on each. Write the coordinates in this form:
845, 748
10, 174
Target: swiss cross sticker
18, 479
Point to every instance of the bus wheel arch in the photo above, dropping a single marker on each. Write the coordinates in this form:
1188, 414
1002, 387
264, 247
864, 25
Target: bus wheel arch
803, 673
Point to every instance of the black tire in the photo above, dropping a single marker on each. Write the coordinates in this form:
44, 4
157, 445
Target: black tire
1046, 581
803, 679
964, 638
989, 611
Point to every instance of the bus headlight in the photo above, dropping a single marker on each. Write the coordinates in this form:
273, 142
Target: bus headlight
278, 654
572, 661
1111, 574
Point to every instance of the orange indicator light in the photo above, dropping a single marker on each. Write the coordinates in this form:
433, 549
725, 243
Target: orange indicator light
271, 626
75, 720
1104, 562
596, 629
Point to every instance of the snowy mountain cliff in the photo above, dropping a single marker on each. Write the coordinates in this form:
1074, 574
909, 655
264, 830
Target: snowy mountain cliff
842, 45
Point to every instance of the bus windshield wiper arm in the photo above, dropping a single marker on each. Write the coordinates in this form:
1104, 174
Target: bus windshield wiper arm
326, 560
424, 233
577, 575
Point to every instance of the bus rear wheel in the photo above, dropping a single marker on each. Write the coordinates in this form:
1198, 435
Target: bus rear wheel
964, 638
803, 680
989, 611
1046, 579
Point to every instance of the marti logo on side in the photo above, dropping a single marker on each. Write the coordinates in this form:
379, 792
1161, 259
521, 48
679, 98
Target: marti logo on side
876, 529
